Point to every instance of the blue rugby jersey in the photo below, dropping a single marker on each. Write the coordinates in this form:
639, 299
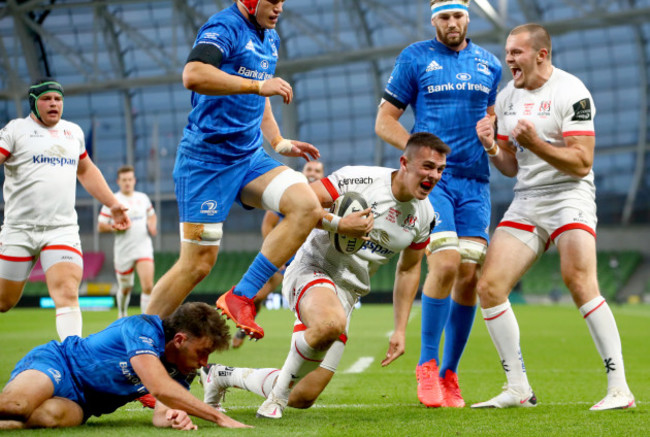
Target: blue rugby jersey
100, 363
449, 92
225, 128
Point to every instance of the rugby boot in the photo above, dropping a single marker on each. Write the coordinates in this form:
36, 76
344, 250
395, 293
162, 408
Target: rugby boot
451, 391
510, 397
240, 310
616, 399
147, 401
429, 391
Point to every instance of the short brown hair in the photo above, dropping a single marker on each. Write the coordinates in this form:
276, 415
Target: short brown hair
198, 320
125, 169
539, 36
425, 139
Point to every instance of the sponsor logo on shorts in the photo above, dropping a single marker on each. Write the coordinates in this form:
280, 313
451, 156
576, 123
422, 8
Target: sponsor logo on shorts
356, 181
55, 374
209, 208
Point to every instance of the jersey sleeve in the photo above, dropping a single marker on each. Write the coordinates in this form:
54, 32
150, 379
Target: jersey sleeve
425, 227
105, 215
402, 84
140, 336
219, 36
502, 133
577, 110
7, 139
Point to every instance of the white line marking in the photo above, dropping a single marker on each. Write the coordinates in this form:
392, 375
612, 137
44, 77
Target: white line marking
360, 365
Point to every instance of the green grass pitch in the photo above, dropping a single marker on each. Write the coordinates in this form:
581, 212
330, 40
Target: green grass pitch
562, 363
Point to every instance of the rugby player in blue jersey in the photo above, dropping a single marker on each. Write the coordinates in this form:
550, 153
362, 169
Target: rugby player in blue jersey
220, 159
64, 384
451, 84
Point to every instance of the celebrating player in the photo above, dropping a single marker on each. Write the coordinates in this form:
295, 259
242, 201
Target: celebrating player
546, 139
451, 83
220, 159
44, 155
132, 250
323, 285
63, 384
313, 171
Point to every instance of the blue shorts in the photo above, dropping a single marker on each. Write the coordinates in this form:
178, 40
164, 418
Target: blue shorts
50, 360
205, 191
462, 206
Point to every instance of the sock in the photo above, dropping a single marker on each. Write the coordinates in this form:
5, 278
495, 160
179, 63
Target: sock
144, 301
122, 303
68, 322
504, 330
602, 327
457, 329
301, 360
435, 313
255, 277
258, 381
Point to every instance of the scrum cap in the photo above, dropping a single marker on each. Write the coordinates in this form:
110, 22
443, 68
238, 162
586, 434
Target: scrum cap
40, 87
438, 6
250, 5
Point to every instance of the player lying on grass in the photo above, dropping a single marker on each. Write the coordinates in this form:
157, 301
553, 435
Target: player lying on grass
322, 285
63, 384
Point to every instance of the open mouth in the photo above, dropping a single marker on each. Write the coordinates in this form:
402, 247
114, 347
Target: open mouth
516, 72
426, 185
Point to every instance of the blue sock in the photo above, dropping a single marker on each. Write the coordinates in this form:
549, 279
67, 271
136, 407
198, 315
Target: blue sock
255, 277
459, 325
435, 313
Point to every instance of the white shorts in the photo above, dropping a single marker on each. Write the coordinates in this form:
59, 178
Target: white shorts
20, 248
125, 270
298, 279
539, 220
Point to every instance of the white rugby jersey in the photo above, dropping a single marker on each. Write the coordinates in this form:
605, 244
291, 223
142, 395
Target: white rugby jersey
134, 243
560, 108
41, 172
398, 225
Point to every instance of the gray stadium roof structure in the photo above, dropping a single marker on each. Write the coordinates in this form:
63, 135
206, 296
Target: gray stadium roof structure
120, 62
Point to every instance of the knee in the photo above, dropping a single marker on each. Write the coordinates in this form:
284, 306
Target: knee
303, 403
325, 334
489, 293
198, 266
444, 270
14, 409
6, 305
47, 416
306, 209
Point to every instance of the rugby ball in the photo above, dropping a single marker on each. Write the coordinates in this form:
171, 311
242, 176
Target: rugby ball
346, 204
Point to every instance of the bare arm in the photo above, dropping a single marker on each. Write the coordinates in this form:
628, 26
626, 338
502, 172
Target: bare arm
152, 222
209, 80
388, 127
504, 157
157, 381
271, 132
93, 181
357, 225
270, 221
575, 159
407, 280
105, 227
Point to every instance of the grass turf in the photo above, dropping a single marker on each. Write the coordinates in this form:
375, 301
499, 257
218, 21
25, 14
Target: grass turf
562, 363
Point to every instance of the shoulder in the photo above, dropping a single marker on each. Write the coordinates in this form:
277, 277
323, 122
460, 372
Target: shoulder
413, 52
484, 54
18, 124
566, 81
225, 21
72, 126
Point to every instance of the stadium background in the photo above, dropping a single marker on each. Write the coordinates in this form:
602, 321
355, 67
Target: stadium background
120, 63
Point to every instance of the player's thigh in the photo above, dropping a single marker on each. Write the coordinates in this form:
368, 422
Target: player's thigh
320, 305
56, 413
63, 279
16, 262
10, 292
577, 250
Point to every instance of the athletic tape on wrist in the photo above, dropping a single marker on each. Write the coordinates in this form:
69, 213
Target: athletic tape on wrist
281, 145
331, 222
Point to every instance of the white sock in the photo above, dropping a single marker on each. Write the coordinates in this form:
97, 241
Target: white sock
602, 327
504, 330
301, 360
258, 381
144, 301
68, 322
122, 303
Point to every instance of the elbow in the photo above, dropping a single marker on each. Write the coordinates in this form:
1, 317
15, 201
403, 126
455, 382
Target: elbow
191, 80
582, 172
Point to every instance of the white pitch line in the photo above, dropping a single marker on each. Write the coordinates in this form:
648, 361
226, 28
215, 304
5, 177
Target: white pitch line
360, 365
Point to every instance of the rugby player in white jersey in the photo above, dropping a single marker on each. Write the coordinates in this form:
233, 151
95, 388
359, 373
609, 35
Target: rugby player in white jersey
546, 139
133, 249
322, 285
44, 156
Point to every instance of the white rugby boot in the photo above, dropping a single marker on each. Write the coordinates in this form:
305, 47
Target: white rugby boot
214, 387
510, 397
616, 399
272, 407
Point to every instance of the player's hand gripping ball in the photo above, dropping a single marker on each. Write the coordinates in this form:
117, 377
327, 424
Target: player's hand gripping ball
346, 204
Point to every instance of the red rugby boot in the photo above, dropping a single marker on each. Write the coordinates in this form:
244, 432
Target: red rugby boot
451, 390
147, 400
240, 310
429, 391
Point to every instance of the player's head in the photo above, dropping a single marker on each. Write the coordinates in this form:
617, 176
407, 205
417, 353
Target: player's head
46, 101
192, 333
422, 164
264, 13
126, 179
450, 18
313, 171
528, 55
